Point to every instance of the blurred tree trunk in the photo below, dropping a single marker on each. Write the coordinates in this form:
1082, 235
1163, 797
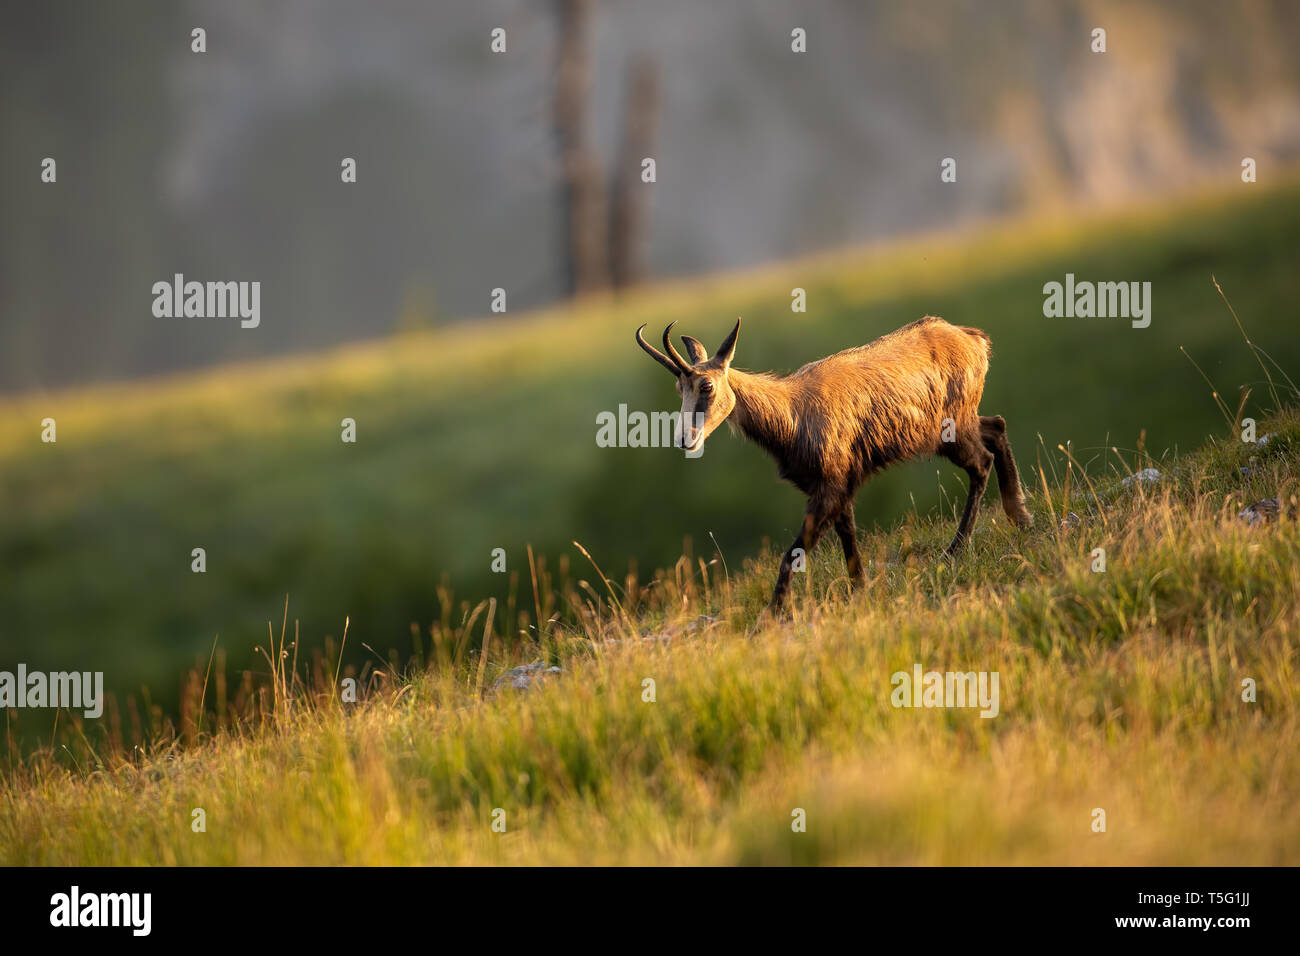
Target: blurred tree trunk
627, 226
586, 265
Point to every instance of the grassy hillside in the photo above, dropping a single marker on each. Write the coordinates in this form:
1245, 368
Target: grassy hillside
1120, 690
483, 436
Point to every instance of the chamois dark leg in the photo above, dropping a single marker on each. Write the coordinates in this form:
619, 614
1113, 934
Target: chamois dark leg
969, 453
847, 529
815, 519
993, 432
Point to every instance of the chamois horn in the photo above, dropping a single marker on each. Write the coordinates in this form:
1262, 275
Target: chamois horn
684, 365
655, 354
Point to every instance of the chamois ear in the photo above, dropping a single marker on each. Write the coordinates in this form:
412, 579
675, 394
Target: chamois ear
695, 349
722, 358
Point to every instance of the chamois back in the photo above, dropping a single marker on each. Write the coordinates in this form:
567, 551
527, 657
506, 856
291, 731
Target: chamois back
859, 410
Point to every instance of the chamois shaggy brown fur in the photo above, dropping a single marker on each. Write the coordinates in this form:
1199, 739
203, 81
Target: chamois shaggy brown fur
833, 423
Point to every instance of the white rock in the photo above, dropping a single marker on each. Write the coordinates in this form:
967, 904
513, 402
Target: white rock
1145, 475
524, 676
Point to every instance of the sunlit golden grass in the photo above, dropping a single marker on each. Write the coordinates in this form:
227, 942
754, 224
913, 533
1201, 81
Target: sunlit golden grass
1120, 690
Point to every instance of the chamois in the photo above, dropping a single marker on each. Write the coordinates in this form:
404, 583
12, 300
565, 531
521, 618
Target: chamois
833, 423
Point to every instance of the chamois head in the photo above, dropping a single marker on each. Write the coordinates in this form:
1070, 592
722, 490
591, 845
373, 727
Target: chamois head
707, 398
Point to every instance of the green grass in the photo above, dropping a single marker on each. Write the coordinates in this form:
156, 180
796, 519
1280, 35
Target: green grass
1119, 690
483, 436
